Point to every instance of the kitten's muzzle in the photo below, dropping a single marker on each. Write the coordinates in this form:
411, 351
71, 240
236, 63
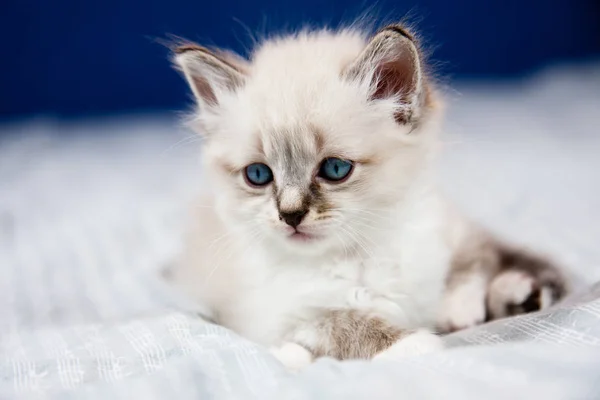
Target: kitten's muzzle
294, 218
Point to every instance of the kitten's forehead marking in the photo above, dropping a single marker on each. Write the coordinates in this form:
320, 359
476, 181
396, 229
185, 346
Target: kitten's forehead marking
294, 154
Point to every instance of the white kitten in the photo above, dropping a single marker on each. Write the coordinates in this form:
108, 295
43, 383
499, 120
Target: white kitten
325, 235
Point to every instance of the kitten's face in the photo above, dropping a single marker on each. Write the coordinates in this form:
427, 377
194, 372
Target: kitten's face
303, 157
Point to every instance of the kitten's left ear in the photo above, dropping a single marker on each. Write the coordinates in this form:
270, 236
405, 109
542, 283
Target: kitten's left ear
392, 67
210, 74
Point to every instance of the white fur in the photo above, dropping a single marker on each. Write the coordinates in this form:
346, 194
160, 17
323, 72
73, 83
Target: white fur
464, 305
418, 343
293, 356
546, 299
383, 251
511, 287
258, 289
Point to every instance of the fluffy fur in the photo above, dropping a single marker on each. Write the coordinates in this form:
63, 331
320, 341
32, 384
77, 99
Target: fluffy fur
378, 256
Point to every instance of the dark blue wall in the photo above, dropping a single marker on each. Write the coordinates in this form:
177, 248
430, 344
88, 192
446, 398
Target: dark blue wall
72, 57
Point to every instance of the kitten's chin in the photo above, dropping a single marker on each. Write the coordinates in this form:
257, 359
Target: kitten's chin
301, 237
304, 242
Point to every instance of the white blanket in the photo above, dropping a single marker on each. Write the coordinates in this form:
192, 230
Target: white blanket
91, 210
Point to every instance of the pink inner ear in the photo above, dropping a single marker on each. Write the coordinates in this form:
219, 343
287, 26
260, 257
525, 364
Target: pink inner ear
396, 78
204, 90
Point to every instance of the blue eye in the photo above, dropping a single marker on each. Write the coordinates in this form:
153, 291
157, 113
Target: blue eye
258, 174
335, 169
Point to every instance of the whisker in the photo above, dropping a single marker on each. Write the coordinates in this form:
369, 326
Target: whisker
186, 140
356, 239
251, 233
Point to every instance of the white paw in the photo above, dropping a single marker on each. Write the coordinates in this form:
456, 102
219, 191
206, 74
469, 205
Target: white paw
420, 342
463, 306
293, 356
514, 289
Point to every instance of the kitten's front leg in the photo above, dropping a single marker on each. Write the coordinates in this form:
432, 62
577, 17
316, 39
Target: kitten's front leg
293, 356
421, 341
352, 334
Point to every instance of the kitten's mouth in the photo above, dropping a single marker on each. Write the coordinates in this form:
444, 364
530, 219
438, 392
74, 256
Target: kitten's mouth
298, 236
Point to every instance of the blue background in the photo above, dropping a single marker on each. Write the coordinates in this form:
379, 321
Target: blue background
77, 57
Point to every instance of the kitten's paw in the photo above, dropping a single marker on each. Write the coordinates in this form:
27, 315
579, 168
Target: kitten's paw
463, 307
293, 356
517, 292
420, 342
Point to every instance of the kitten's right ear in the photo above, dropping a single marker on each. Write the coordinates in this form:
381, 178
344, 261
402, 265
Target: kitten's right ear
208, 73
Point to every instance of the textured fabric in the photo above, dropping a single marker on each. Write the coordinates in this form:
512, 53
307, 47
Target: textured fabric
88, 218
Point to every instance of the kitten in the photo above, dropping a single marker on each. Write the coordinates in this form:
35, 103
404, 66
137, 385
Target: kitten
325, 235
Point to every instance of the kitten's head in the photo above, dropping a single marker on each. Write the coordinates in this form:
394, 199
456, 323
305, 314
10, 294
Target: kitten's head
311, 142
